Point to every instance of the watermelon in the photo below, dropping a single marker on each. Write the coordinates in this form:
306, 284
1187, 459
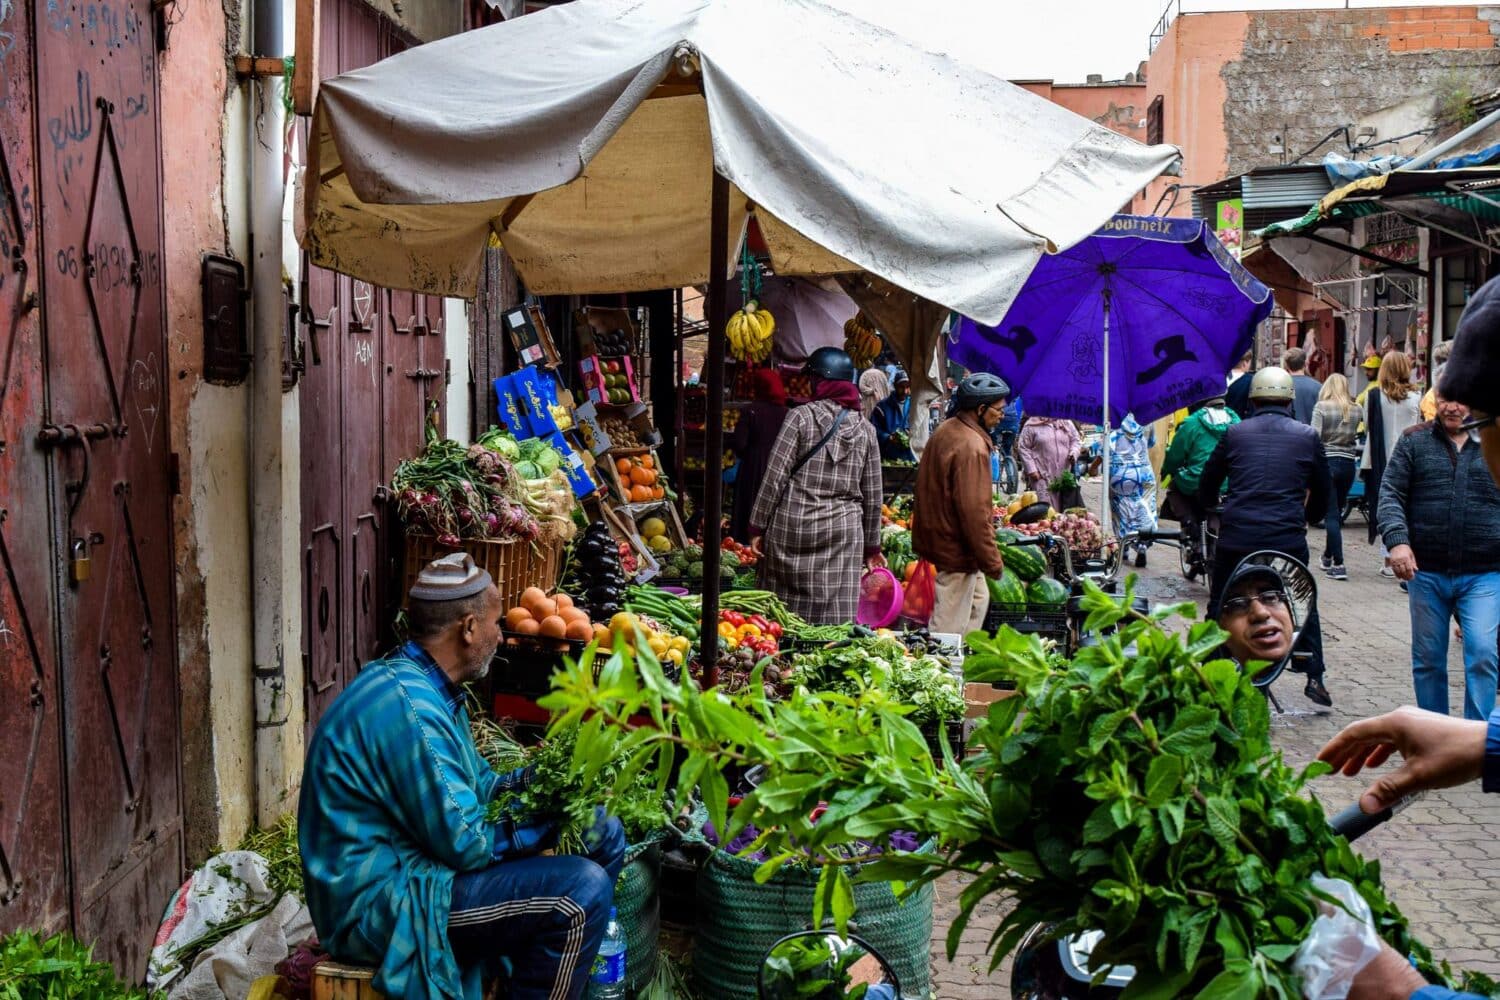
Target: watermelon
1007, 589
1026, 563
1006, 537
1047, 592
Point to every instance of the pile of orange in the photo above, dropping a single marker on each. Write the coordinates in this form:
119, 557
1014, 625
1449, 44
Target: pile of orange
639, 478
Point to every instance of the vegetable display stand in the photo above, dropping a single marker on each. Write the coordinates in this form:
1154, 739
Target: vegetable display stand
514, 565
739, 919
638, 910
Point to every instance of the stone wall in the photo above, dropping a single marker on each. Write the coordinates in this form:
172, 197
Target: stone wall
1302, 73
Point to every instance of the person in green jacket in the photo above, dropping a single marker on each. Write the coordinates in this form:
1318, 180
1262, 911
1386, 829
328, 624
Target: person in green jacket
1192, 444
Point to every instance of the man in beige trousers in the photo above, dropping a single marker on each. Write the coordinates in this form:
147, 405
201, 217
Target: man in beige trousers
951, 526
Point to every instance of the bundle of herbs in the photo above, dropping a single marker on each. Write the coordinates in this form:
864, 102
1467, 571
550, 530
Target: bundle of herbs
1131, 790
570, 777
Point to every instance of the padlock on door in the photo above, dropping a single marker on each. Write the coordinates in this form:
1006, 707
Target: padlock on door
80, 565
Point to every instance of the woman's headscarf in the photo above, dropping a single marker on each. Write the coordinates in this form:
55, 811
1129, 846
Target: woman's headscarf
874, 386
767, 386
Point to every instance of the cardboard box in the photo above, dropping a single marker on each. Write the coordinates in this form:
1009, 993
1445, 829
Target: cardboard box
589, 431
598, 371
979, 697
528, 332
574, 466
511, 407
609, 332
543, 401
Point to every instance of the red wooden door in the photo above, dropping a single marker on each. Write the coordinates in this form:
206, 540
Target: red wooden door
84, 412
367, 385
33, 871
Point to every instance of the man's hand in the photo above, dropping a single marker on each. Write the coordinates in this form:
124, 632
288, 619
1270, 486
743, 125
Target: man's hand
1389, 976
1438, 752
756, 547
877, 561
1403, 562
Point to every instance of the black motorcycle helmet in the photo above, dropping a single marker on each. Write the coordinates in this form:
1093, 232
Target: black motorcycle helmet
832, 364
979, 389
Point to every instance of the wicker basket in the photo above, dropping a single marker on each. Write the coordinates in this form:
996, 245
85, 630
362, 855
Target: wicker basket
513, 565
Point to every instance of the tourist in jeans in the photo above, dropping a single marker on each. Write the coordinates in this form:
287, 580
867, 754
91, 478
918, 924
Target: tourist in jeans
1391, 406
1336, 419
1439, 515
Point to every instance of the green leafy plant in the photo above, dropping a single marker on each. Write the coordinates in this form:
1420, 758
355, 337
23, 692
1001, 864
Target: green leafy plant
60, 967
925, 683
1132, 790
573, 771
1065, 481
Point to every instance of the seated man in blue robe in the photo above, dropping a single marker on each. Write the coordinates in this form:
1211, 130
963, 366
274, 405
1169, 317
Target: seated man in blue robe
404, 871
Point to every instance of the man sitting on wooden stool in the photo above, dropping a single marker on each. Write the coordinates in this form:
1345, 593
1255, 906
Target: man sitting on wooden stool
404, 869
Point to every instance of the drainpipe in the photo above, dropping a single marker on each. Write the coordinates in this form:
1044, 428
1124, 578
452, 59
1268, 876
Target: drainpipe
270, 560
1418, 162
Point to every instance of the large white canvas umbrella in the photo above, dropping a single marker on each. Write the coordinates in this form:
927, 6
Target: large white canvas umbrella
618, 145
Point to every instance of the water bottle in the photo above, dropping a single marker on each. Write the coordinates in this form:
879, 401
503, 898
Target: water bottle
607, 978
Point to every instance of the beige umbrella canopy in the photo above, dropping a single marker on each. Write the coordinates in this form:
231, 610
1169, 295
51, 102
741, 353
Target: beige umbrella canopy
867, 134
607, 143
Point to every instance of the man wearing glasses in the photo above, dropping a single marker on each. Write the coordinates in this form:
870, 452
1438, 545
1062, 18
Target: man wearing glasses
1257, 615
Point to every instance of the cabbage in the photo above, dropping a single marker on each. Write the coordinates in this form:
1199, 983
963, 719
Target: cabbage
548, 461
528, 470
507, 446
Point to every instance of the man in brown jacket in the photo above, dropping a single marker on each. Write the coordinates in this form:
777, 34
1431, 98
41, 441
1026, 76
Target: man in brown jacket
951, 527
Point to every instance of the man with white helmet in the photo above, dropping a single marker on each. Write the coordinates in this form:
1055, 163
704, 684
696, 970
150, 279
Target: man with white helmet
1278, 476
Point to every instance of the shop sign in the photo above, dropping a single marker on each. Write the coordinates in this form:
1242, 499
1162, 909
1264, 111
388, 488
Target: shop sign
1229, 225
1392, 237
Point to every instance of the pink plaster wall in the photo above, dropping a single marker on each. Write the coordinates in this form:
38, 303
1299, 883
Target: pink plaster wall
194, 75
1186, 68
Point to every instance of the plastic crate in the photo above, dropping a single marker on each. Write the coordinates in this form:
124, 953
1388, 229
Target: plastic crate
956, 738
1047, 622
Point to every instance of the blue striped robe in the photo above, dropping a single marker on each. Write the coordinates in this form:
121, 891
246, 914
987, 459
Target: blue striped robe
393, 805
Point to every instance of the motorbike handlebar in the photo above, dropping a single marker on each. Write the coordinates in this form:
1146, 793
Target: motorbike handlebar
1353, 823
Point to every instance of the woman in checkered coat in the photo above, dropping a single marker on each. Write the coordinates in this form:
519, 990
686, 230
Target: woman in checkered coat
818, 525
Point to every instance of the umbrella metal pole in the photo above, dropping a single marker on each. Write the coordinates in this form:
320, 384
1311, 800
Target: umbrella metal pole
1104, 442
713, 460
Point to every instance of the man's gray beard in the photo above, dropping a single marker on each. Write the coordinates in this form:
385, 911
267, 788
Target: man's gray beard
483, 669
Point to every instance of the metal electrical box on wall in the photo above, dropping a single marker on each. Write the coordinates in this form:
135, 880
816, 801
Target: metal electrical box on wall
226, 358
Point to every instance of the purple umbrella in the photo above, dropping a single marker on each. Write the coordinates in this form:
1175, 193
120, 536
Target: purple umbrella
1145, 316
1174, 307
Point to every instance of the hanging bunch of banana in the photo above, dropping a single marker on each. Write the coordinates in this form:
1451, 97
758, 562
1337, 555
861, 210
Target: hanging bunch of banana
749, 333
861, 340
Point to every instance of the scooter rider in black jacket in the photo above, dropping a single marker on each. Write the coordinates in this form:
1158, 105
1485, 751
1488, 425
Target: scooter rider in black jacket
1278, 479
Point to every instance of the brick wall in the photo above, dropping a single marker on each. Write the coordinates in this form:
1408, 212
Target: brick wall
1302, 73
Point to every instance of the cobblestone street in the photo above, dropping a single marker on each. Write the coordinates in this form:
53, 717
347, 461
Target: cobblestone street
1440, 857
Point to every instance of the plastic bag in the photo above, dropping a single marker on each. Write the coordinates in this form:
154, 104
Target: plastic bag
1341, 943
920, 593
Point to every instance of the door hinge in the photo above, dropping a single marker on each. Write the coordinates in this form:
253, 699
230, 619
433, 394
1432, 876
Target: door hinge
447, 371
174, 475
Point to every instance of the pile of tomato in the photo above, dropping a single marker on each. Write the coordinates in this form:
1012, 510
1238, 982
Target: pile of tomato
752, 632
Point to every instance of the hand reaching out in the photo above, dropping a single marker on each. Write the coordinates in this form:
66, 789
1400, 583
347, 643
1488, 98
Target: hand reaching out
1438, 751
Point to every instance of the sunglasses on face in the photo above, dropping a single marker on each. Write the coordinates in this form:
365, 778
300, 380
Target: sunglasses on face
1269, 599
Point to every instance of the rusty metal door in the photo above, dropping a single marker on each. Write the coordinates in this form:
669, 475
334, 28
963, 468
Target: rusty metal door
102, 423
33, 870
363, 397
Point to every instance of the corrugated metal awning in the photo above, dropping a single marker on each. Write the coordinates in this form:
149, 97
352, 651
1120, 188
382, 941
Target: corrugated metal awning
1290, 188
